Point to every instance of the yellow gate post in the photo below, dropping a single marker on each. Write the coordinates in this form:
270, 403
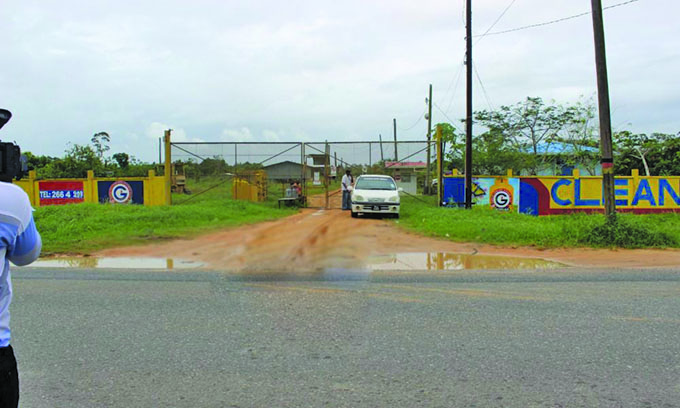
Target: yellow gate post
168, 168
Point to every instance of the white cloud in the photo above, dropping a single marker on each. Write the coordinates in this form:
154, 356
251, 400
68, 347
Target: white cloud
157, 130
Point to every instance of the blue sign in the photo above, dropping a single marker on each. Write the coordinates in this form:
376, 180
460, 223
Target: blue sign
121, 192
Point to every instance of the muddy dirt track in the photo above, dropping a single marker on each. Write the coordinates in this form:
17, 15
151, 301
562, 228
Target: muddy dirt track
317, 239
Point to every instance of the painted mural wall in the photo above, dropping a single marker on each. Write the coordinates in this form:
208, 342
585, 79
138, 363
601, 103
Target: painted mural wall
564, 195
147, 191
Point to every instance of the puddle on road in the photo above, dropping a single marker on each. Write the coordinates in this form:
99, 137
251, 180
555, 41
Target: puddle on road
443, 261
116, 263
402, 262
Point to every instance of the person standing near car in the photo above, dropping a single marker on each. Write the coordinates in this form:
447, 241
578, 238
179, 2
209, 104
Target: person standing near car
20, 243
347, 182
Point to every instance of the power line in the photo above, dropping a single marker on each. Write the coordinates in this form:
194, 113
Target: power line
447, 117
415, 124
486, 95
512, 30
445, 95
455, 88
495, 22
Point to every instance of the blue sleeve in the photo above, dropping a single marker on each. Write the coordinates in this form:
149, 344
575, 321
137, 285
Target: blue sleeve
27, 246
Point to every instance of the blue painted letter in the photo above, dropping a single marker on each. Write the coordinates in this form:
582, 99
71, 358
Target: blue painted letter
555, 195
644, 192
664, 185
577, 196
621, 192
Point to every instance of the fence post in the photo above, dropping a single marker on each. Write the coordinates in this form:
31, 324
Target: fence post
168, 168
34, 189
326, 175
149, 189
303, 159
92, 196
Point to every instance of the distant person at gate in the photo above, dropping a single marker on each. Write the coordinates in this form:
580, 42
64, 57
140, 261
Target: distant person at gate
347, 183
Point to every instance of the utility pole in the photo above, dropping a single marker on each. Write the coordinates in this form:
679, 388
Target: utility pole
382, 157
396, 156
426, 190
468, 119
605, 115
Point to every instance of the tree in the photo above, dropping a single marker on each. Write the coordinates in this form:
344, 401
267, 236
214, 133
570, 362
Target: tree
578, 143
213, 166
453, 146
36, 162
530, 126
100, 142
78, 160
123, 160
657, 154
493, 156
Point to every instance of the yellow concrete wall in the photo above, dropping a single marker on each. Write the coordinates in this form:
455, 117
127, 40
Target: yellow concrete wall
154, 187
564, 194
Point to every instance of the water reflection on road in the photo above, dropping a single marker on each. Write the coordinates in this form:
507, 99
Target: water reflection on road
116, 263
442, 261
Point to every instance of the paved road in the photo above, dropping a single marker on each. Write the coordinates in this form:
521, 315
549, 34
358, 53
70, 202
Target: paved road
573, 338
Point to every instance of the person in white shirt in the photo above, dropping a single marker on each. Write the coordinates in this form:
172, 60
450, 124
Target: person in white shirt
347, 183
20, 243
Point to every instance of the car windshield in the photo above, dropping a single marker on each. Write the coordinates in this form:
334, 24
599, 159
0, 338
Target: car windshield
375, 183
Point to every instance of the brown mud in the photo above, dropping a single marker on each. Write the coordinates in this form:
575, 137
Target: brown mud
317, 239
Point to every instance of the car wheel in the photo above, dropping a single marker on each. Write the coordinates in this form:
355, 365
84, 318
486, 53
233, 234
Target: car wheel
354, 215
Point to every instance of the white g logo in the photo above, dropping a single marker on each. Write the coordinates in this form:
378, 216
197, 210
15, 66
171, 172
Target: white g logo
120, 192
502, 199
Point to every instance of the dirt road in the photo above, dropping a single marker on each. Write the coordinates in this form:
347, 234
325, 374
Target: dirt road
317, 239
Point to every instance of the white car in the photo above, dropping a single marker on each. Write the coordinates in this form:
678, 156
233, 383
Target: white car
375, 195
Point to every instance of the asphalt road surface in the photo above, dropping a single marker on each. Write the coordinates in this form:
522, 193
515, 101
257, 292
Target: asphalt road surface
562, 338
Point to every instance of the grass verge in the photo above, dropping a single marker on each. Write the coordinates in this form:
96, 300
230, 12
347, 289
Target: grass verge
485, 225
83, 228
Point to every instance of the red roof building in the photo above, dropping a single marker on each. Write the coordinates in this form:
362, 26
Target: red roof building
405, 165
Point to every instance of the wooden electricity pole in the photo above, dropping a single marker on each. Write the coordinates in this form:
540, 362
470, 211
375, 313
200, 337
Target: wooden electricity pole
605, 115
468, 119
426, 190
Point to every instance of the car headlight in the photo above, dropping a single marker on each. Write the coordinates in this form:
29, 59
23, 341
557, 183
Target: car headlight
357, 197
394, 199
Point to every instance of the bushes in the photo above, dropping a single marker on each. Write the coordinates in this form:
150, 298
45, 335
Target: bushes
627, 232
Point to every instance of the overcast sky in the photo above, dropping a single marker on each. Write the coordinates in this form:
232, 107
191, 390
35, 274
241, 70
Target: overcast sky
311, 70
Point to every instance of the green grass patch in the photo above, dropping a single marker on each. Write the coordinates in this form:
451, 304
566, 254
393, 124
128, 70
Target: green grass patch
83, 228
485, 225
